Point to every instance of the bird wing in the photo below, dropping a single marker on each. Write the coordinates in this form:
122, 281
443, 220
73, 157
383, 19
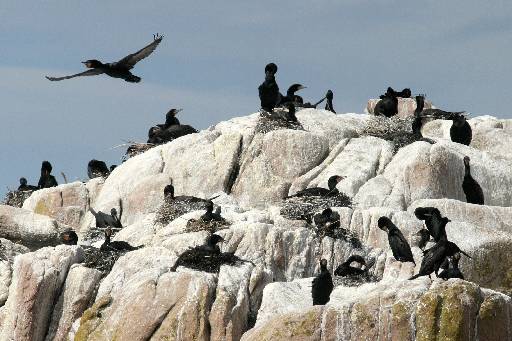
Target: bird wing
403, 250
130, 60
90, 72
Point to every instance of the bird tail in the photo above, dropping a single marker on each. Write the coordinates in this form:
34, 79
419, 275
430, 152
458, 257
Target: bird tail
414, 277
132, 79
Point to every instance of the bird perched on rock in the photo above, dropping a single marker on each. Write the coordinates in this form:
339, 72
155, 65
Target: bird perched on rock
399, 245
453, 270
291, 96
424, 238
387, 106
120, 69
69, 237
104, 220
346, 269
434, 221
171, 119
319, 191
327, 216
471, 188
24, 187
209, 215
322, 285
405, 93
159, 135
328, 105
46, 180
208, 250
116, 245
418, 119
96, 168
460, 131
269, 90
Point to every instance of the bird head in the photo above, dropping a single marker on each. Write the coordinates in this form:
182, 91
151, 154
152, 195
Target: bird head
113, 212
23, 181
334, 180
323, 263
92, 63
214, 239
329, 95
209, 206
271, 68
406, 92
174, 112
466, 160
169, 191
46, 167
383, 223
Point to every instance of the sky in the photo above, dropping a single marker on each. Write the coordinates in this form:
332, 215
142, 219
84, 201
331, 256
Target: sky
211, 62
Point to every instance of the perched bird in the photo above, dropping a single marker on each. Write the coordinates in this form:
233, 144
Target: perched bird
269, 90
120, 69
209, 215
328, 105
104, 220
24, 187
116, 245
387, 106
207, 250
291, 96
399, 245
322, 285
327, 216
452, 271
471, 188
405, 93
434, 221
96, 168
319, 191
418, 119
159, 135
345, 268
460, 131
112, 167
424, 238
170, 118
169, 196
46, 180
69, 237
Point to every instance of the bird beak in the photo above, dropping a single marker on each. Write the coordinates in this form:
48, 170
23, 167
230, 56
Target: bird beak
339, 178
302, 87
465, 254
215, 197
178, 110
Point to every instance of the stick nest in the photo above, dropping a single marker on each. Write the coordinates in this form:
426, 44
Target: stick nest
212, 226
16, 198
207, 261
136, 149
101, 260
269, 122
172, 209
355, 280
303, 208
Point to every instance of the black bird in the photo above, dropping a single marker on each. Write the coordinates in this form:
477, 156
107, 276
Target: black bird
96, 168
117, 245
405, 93
326, 217
322, 285
46, 180
424, 238
328, 105
290, 114
119, 69
69, 237
170, 118
159, 135
319, 191
268, 90
453, 271
169, 195
399, 245
24, 187
417, 121
434, 221
460, 131
471, 188
209, 215
104, 220
387, 106
112, 167
345, 268
291, 96
208, 249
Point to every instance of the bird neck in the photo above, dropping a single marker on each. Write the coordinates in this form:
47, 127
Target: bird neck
467, 170
419, 107
107, 239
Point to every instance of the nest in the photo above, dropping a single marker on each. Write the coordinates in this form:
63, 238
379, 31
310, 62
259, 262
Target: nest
334, 231
303, 208
355, 280
268, 122
136, 149
208, 262
100, 260
172, 209
397, 130
16, 198
211, 226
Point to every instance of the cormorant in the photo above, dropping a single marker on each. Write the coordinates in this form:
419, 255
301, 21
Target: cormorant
424, 238
471, 188
405, 93
387, 106
112, 167
116, 245
209, 215
46, 180
291, 96
322, 285
460, 131
158, 135
434, 221
69, 237
344, 269
208, 249
170, 118
326, 217
119, 69
104, 220
24, 187
452, 271
169, 195
319, 191
96, 168
268, 90
328, 105
417, 121
399, 245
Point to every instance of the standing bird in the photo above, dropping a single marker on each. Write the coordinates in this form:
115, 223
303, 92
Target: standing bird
46, 180
460, 131
471, 188
104, 220
209, 215
116, 245
453, 271
96, 168
159, 135
434, 221
170, 118
417, 121
69, 237
268, 90
120, 69
319, 191
387, 106
328, 105
322, 285
399, 245
345, 268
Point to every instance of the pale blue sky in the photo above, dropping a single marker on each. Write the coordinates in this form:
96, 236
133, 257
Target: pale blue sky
211, 62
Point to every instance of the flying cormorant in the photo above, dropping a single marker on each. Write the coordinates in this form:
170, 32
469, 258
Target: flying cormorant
399, 245
322, 285
46, 180
434, 221
328, 105
24, 187
96, 168
119, 69
268, 90
319, 191
453, 270
69, 237
345, 269
387, 106
460, 131
116, 245
471, 188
